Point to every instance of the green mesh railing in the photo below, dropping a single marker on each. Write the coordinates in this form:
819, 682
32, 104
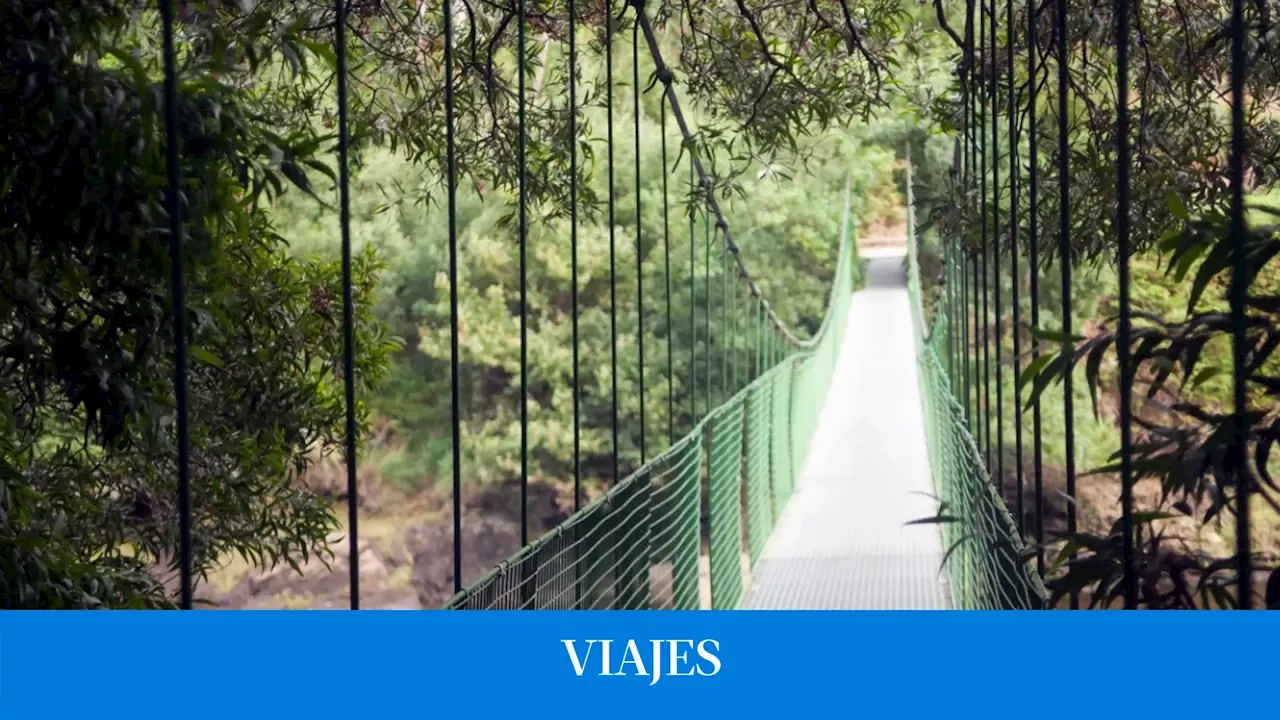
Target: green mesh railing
639, 546
986, 562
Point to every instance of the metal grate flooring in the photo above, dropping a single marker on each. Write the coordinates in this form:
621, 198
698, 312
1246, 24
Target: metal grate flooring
843, 542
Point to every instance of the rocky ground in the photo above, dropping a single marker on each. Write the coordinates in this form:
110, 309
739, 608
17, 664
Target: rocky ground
405, 553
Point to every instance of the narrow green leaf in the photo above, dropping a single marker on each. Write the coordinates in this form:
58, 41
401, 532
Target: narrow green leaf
1032, 369
202, 355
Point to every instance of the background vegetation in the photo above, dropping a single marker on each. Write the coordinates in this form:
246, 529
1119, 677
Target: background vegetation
784, 100
87, 450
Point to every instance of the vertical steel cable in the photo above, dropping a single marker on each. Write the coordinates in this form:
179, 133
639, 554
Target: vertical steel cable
976, 386
949, 359
741, 363
1239, 297
1125, 330
953, 280
451, 178
613, 275
1064, 260
997, 335
967, 255
770, 343
173, 206
348, 331
573, 250
725, 340
666, 264
948, 279
964, 129
735, 336
984, 429
759, 338
1011, 34
1033, 241
706, 228
735, 318
965, 350
744, 326
635, 94
521, 161
693, 305
975, 416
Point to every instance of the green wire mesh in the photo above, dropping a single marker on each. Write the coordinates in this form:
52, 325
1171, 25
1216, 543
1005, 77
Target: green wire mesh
755, 492
639, 545
634, 548
780, 436
986, 559
724, 495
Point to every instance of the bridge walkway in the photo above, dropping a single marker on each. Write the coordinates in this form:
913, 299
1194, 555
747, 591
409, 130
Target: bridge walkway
843, 542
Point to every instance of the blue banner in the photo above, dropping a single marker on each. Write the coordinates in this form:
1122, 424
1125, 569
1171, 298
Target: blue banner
371, 664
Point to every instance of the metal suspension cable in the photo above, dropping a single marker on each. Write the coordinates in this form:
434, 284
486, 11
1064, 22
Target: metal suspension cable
1033, 242
693, 305
948, 264
613, 276
1239, 297
348, 332
731, 334
635, 94
975, 424
759, 342
997, 335
1064, 261
725, 338
173, 206
956, 244
665, 76
573, 251
1011, 35
522, 161
739, 341
965, 349
966, 251
666, 265
706, 287
523, 170
742, 364
1125, 330
451, 180
985, 427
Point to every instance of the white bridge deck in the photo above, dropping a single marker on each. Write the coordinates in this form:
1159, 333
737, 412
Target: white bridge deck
843, 542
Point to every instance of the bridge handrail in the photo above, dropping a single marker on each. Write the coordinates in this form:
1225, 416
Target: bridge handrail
546, 554
995, 573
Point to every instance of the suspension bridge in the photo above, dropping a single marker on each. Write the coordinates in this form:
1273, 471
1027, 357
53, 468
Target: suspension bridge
852, 467
811, 488
804, 474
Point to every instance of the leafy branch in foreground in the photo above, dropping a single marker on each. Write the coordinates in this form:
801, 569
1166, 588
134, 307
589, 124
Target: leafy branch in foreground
1185, 442
87, 451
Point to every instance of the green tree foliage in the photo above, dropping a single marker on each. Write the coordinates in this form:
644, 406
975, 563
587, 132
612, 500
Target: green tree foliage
87, 513
1187, 429
87, 452
788, 231
1179, 61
